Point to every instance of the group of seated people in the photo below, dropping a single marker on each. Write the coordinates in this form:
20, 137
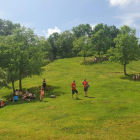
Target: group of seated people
96, 59
27, 96
136, 77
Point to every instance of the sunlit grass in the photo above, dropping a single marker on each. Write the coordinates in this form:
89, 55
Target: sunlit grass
110, 113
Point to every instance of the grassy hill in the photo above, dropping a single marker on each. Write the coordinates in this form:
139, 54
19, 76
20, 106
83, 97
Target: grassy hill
110, 113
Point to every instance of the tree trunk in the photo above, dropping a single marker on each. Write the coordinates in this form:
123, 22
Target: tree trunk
125, 69
99, 56
13, 86
20, 82
84, 55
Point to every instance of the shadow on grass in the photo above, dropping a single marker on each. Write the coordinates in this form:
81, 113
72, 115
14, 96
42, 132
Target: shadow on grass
48, 91
92, 63
89, 63
90, 97
129, 77
79, 99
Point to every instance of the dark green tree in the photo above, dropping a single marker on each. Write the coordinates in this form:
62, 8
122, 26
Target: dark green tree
31, 53
82, 45
8, 58
100, 42
65, 44
7, 27
52, 39
82, 30
3, 78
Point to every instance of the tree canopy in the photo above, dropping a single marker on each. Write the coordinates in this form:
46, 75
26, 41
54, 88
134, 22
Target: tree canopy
127, 48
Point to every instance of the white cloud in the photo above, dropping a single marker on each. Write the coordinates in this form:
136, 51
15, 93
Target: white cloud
93, 25
130, 20
122, 2
51, 31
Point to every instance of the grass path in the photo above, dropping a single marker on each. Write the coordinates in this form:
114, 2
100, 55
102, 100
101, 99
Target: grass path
111, 112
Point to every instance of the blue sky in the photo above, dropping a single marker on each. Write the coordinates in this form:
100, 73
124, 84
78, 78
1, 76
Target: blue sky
48, 16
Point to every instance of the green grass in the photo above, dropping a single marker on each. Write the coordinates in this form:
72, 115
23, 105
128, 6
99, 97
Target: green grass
111, 112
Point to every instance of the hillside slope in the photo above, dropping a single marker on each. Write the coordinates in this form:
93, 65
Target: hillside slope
110, 113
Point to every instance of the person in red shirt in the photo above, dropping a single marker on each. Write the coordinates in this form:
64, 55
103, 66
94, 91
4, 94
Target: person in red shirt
86, 85
73, 86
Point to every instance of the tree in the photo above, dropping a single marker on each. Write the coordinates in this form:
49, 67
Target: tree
127, 48
82, 30
46, 47
65, 44
82, 45
7, 27
21, 55
8, 58
52, 39
100, 42
30, 52
109, 31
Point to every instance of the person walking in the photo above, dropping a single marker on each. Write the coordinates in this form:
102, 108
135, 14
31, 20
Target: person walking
86, 85
73, 86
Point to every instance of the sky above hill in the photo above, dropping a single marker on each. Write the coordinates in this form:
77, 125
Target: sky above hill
48, 16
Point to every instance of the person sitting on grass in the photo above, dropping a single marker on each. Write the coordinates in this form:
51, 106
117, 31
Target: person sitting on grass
32, 95
95, 59
20, 95
139, 76
16, 92
26, 96
134, 77
73, 86
41, 95
91, 60
15, 98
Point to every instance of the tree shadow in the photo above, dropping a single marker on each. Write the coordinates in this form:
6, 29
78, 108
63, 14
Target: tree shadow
36, 90
129, 77
92, 63
89, 63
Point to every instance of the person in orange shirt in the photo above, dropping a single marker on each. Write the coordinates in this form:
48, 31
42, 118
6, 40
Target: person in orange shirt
41, 95
86, 85
73, 86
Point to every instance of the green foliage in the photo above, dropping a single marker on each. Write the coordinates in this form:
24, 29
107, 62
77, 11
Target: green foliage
8, 57
100, 41
7, 27
21, 54
82, 45
3, 78
82, 30
127, 30
110, 32
64, 44
127, 48
52, 39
